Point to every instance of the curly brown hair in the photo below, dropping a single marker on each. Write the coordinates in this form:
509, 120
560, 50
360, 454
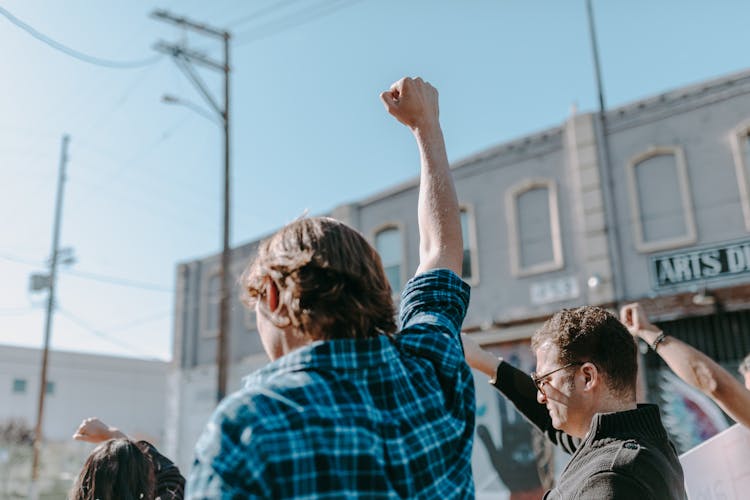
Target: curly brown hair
592, 334
330, 279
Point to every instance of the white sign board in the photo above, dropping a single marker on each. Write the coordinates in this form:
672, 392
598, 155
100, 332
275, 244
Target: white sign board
555, 290
720, 467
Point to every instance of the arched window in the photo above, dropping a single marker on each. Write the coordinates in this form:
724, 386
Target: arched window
469, 265
211, 300
534, 227
741, 151
660, 199
388, 243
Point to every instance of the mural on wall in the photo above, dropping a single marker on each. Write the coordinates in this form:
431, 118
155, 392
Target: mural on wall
690, 416
511, 459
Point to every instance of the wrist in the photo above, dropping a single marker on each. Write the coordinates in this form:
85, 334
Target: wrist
426, 128
649, 334
115, 433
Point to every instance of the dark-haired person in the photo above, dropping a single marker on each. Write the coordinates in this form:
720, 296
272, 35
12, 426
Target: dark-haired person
582, 397
693, 366
352, 407
122, 469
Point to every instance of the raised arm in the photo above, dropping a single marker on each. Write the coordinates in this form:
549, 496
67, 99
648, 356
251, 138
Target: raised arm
691, 365
170, 484
414, 103
519, 389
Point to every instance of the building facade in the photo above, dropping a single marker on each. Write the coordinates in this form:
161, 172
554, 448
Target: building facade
649, 202
125, 392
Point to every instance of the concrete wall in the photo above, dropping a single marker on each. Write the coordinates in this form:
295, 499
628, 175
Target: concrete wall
124, 392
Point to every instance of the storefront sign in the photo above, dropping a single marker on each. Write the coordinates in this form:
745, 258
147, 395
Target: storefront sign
556, 290
700, 265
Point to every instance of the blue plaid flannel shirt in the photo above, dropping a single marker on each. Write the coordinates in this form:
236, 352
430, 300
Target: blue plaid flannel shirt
374, 418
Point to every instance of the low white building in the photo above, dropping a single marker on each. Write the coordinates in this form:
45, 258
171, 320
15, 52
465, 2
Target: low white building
125, 392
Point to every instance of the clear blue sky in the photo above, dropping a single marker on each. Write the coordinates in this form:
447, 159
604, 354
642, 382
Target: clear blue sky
309, 131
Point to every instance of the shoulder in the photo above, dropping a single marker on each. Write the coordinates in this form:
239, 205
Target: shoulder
636, 467
613, 485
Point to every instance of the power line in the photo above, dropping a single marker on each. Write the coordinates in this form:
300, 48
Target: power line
113, 280
141, 321
98, 333
21, 260
259, 13
118, 281
17, 311
299, 18
75, 53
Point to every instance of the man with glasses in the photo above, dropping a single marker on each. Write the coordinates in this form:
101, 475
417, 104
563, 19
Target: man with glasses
582, 397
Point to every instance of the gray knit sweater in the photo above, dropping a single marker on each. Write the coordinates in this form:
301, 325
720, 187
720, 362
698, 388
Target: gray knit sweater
625, 455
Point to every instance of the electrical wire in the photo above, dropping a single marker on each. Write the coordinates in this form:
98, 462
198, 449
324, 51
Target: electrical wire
141, 321
102, 335
299, 18
17, 311
259, 13
75, 53
113, 280
117, 281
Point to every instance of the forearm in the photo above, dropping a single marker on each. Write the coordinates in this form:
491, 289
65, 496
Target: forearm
441, 245
700, 371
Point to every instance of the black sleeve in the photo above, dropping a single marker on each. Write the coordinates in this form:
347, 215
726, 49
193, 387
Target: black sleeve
170, 485
521, 391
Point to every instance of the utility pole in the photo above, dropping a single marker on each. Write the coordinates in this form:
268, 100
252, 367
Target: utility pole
184, 58
33, 490
605, 157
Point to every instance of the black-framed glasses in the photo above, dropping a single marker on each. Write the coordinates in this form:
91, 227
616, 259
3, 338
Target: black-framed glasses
539, 380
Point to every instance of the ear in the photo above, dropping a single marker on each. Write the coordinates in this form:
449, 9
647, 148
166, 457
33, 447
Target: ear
591, 376
272, 295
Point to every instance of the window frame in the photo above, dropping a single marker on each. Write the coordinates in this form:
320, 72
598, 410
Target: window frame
514, 236
400, 228
205, 331
683, 181
19, 382
468, 208
737, 136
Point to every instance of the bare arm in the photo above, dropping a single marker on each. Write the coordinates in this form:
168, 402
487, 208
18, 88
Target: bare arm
692, 366
414, 103
480, 359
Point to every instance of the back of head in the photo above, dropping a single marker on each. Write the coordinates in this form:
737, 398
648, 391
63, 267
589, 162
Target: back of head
330, 279
117, 469
592, 334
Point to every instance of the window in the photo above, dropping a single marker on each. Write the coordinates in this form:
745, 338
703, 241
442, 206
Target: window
534, 227
389, 245
212, 299
660, 200
741, 151
19, 386
468, 234
50, 389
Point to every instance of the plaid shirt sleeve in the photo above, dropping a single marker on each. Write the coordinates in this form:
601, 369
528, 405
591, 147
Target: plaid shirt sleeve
433, 306
434, 302
228, 461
